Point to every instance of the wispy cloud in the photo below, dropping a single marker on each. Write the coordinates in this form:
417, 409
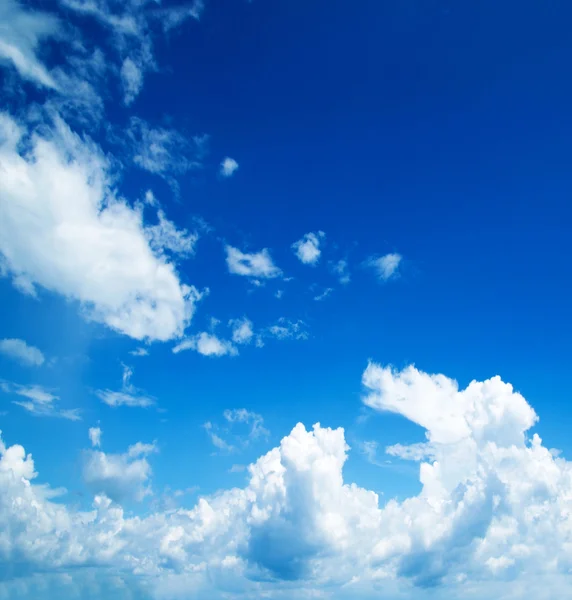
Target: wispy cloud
39, 401
341, 269
287, 329
386, 267
324, 294
241, 428
19, 350
206, 344
129, 395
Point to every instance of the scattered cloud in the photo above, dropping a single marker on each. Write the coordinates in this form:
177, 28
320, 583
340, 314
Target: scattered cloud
139, 352
228, 167
132, 80
20, 351
64, 229
95, 436
120, 477
340, 268
216, 440
241, 427
386, 266
163, 151
308, 248
287, 329
129, 395
491, 515
242, 332
166, 236
254, 420
278, 294
206, 344
257, 264
39, 401
324, 294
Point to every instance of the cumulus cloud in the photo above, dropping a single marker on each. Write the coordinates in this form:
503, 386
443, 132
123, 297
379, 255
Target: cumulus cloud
228, 167
492, 518
129, 395
20, 351
63, 228
39, 401
206, 344
21, 31
386, 266
242, 331
120, 477
256, 264
308, 248
165, 236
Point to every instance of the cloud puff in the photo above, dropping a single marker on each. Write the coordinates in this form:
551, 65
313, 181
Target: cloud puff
20, 351
257, 264
64, 229
228, 167
385, 266
39, 401
492, 518
242, 332
119, 476
206, 344
20, 34
95, 436
308, 248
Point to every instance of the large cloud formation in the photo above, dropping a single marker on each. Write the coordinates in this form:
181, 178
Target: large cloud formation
493, 518
62, 227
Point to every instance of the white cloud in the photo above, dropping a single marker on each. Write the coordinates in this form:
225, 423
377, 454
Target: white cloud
129, 395
20, 351
95, 436
39, 401
217, 441
139, 352
492, 518
132, 79
242, 331
257, 264
166, 236
308, 248
63, 228
256, 422
385, 266
324, 294
163, 151
340, 268
228, 167
287, 329
279, 293
119, 476
206, 344
21, 31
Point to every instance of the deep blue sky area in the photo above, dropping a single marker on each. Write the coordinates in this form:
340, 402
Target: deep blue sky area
434, 133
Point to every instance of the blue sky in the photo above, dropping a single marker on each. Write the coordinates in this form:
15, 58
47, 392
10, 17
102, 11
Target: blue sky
222, 223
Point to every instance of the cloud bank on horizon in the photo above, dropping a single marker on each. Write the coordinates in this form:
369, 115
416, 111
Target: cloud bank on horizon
493, 517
